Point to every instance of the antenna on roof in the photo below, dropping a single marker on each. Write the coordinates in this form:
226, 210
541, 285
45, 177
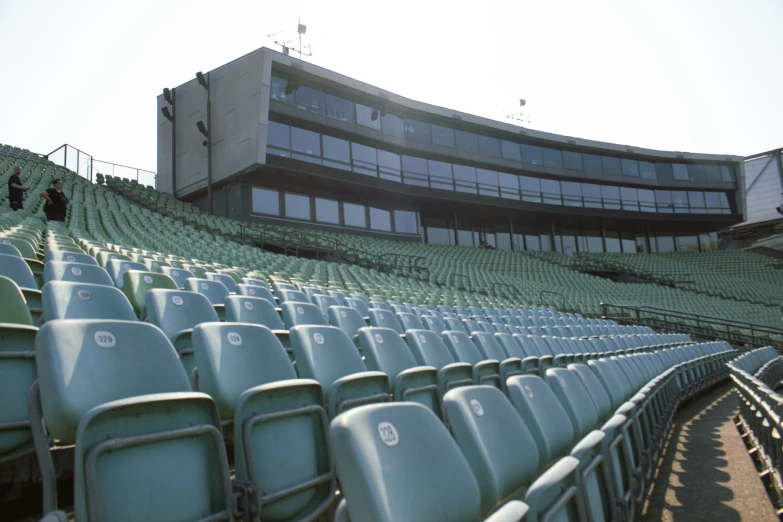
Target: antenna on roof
294, 42
518, 114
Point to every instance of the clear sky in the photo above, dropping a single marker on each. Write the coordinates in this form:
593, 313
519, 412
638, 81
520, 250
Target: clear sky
685, 75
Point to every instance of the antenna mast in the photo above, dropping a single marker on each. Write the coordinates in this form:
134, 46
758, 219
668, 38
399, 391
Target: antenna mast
288, 44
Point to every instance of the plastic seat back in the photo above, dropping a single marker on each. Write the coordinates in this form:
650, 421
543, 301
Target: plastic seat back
428, 349
256, 291
68, 300
293, 296
574, 398
178, 311
488, 346
252, 310
69, 257
346, 319
358, 305
215, 291
226, 279
76, 272
138, 283
117, 268
301, 313
496, 443
434, 324
409, 321
461, 347
16, 269
179, 275
323, 302
381, 318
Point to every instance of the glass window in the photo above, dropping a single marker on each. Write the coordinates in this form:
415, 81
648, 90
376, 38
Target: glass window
340, 109
467, 141
572, 160
552, 158
417, 131
709, 241
568, 239
680, 202
712, 202
591, 195
310, 100
572, 193
365, 159
380, 219
663, 172
665, 243
646, 200
695, 200
544, 241
532, 155
278, 136
266, 201
414, 171
389, 165
488, 182
489, 146
630, 201
724, 203
306, 142
697, 173
611, 197
405, 222
611, 166
680, 172
532, 242
327, 211
630, 168
531, 189
713, 173
438, 231
663, 201
297, 206
641, 243
464, 235
354, 215
465, 179
503, 237
509, 185
612, 241
393, 126
593, 164
337, 153
510, 150
277, 91
440, 175
443, 136
725, 174
364, 117
628, 243
647, 170
550, 190
686, 242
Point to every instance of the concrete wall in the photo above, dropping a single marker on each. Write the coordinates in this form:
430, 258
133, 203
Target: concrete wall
764, 187
240, 105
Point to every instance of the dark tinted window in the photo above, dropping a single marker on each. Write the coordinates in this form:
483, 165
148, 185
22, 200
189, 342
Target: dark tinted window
415, 171
680, 172
680, 202
310, 100
713, 173
697, 173
592, 195
297, 206
365, 159
340, 109
509, 185
572, 160
572, 193
327, 211
405, 222
647, 170
593, 164
630, 200
465, 179
611, 165
552, 158
266, 201
488, 182
440, 175
306, 142
646, 200
393, 126
550, 190
697, 202
611, 197
443, 136
663, 201
467, 141
510, 150
380, 219
337, 153
489, 146
278, 135
417, 131
531, 189
277, 91
712, 202
389, 165
532, 155
630, 168
725, 174
354, 216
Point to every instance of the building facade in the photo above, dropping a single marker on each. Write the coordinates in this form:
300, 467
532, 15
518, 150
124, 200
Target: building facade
292, 143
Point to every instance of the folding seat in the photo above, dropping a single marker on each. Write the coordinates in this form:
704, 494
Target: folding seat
254, 282
360, 306
104, 256
17, 271
117, 268
245, 370
257, 291
292, 296
257, 311
444, 309
428, 349
76, 272
346, 319
10, 250
215, 291
471, 326
379, 450
385, 351
137, 284
434, 324
138, 430
323, 302
179, 275
226, 279
461, 310
327, 355
68, 300
382, 318
155, 265
198, 271
381, 305
17, 370
409, 321
177, 312
485, 326
69, 257
490, 349
463, 350
296, 313
339, 296
310, 292
496, 443
533, 346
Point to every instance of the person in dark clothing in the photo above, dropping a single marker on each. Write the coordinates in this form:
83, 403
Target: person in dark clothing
56, 202
16, 190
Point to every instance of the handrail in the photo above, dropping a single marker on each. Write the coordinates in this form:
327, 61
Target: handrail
506, 285
737, 331
541, 297
451, 280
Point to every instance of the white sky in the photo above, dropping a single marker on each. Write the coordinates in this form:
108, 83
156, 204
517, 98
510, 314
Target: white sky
696, 76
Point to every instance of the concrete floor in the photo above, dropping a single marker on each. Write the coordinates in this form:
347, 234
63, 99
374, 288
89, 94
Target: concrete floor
706, 473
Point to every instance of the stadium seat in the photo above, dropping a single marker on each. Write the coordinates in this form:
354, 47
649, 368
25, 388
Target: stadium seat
137, 284
69, 300
428, 350
179, 275
215, 291
301, 313
76, 272
117, 268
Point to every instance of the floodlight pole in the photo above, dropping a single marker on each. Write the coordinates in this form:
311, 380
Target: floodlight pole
206, 85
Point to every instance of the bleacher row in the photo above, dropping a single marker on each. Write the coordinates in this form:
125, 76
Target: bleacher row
757, 375
410, 412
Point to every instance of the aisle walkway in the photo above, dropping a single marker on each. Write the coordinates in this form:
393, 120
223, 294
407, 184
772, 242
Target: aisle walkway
706, 473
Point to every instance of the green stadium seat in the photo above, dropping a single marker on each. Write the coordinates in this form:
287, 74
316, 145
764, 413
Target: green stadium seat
76, 273
69, 300
428, 350
69, 257
179, 275
301, 313
215, 291
117, 268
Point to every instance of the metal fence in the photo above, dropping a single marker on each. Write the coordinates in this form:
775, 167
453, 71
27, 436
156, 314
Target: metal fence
86, 166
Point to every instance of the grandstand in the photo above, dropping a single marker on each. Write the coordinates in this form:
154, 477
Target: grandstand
161, 361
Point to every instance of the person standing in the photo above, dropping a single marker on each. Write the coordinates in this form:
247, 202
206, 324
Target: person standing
56, 202
16, 190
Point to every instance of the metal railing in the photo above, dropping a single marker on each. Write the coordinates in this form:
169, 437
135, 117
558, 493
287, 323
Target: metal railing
562, 298
86, 166
706, 326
